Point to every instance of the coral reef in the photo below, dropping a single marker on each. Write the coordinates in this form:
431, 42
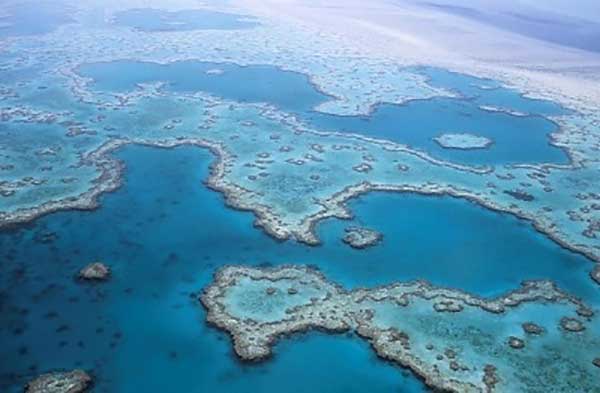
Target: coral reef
462, 350
96, 271
360, 238
463, 141
76, 381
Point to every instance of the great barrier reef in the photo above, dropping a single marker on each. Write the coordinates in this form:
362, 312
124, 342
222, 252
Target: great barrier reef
266, 196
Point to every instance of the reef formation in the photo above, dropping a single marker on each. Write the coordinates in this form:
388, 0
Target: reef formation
463, 141
96, 271
76, 381
452, 340
358, 237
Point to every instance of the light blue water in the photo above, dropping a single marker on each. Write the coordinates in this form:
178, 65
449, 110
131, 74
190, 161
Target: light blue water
30, 18
153, 20
489, 92
164, 234
243, 84
516, 139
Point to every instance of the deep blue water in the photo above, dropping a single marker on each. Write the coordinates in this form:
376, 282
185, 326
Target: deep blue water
164, 234
516, 139
149, 20
29, 18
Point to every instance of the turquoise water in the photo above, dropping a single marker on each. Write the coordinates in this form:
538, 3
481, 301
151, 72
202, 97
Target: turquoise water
149, 19
164, 234
517, 139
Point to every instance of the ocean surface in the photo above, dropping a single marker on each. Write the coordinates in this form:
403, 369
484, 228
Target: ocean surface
164, 234
156, 20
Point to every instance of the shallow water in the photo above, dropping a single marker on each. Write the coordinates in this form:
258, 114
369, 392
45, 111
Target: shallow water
164, 234
517, 139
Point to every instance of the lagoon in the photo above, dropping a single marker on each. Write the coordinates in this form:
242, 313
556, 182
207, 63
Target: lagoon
516, 139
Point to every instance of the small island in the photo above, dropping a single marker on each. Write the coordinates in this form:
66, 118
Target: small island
532, 328
572, 325
463, 141
359, 238
516, 343
215, 71
76, 381
96, 271
498, 109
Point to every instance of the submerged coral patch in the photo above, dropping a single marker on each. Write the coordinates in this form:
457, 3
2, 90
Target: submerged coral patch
358, 237
463, 141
